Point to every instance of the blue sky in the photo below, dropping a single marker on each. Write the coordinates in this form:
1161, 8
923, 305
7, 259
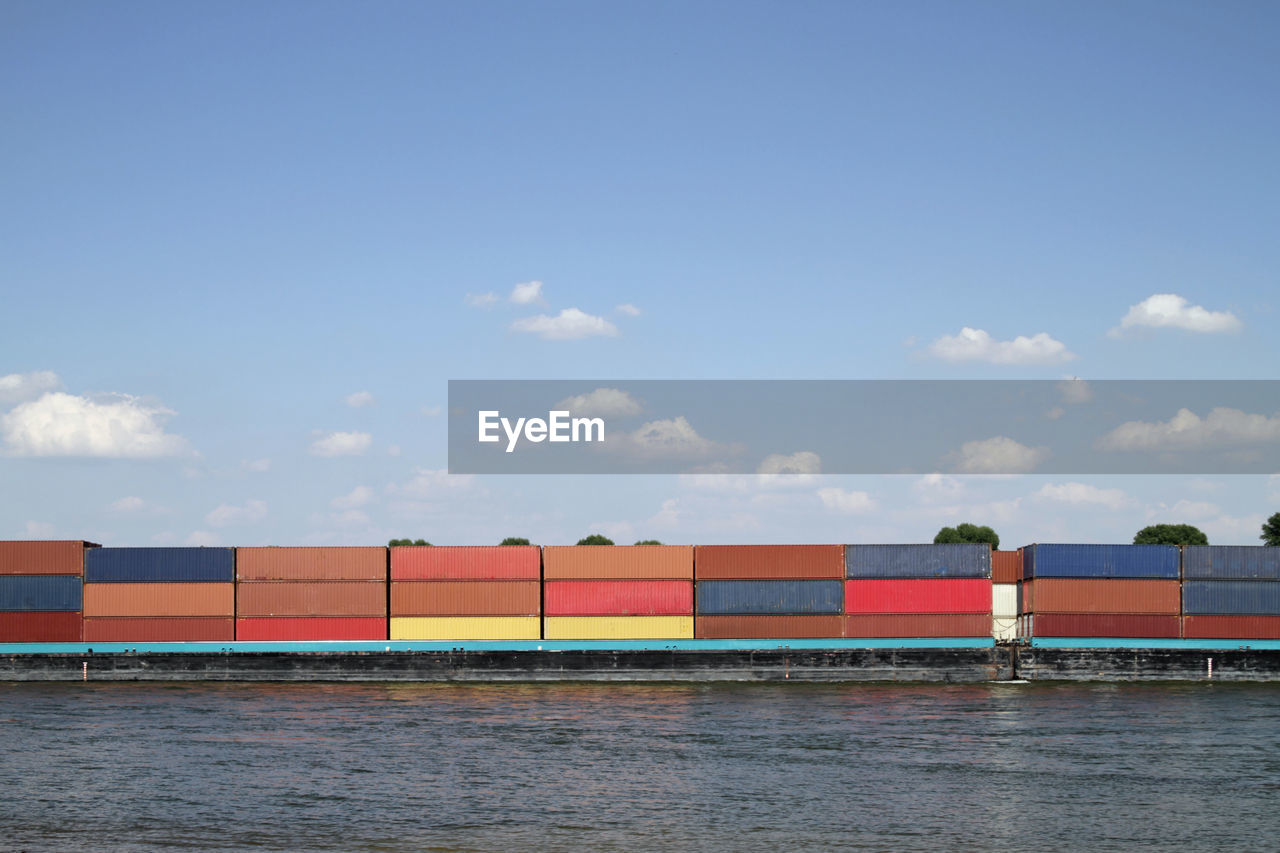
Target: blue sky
224, 221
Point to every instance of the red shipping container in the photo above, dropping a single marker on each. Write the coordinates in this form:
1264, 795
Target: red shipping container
768, 562
311, 598
466, 562
331, 564
159, 629
918, 625
1006, 566
766, 627
1231, 627
619, 562
43, 557
46, 626
1105, 625
285, 629
618, 598
466, 598
939, 595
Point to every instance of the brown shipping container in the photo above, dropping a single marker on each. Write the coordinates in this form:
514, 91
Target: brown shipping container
766, 627
466, 562
466, 598
768, 562
311, 598
332, 564
40, 626
605, 562
1104, 625
159, 599
1006, 566
43, 558
918, 625
1231, 627
160, 629
1103, 595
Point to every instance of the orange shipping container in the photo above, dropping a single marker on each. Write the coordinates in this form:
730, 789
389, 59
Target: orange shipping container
765, 562
334, 564
605, 562
1006, 566
311, 598
43, 558
466, 562
466, 598
159, 599
1101, 595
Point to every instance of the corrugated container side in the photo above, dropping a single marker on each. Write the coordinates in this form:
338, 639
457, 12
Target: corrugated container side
40, 592
618, 598
620, 562
777, 597
1257, 598
1101, 561
345, 564
1006, 566
918, 625
466, 628
766, 562
1106, 625
311, 598
466, 562
1231, 627
285, 629
768, 627
1004, 599
159, 599
160, 565
43, 557
1107, 595
617, 627
1004, 628
917, 596
40, 627
160, 629
1230, 562
904, 562
465, 598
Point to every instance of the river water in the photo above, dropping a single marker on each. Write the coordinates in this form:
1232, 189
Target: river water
709, 767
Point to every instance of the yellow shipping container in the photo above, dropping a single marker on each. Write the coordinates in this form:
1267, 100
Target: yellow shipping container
617, 627
465, 627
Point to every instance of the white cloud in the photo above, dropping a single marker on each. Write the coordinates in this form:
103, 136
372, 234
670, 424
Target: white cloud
746, 483
359, 496
628, 309
1083, 494
850, 502
602, 403
20, 387
934, 488
341, 444
529, 293
227, 515
978, 345
1075, 391
359, 399
128, 504
1055, 413
201, 539
998, 455
1171, 311
256, 465
482, 300
116, 426
40, 530
671, 438
430, 483
802, 462
393, 450
1222, 427
569, 324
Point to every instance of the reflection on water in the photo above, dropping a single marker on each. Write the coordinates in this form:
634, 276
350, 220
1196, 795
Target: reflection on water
616, 767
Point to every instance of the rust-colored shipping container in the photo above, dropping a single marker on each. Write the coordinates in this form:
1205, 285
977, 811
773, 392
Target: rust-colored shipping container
918, 625
310, 628
768, 562
311, 598
333, 564
466, 562
43, 626
1105, 625
1006, 566
159, 629
766, 627
43, 557
466, 598
602, 562
1231, 627
1102, 595
159, 599
619, 598
945, 595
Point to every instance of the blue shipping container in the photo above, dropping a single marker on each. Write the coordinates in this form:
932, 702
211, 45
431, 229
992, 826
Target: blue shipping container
164, 565
1100, 561
1228, 598
40, 592
1231, 561
753, 597
917, 561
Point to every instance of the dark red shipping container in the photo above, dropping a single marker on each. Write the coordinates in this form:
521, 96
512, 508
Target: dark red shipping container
270, 629
1231, 627
767, 562
466, 562
766, 627
44, 626
618, 598
918, 625
1006, 566
1104, 625
159, 629
943, 595
43, 557
466, 598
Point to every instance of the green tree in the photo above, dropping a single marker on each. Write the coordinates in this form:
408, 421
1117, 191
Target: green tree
967, 533
395, 542
1271, 531
648, 542
595, 539
514, 540
1170, 534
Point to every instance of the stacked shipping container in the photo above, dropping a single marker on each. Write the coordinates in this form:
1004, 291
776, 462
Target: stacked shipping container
287, 594
917, 591
159, 595
769, 591
1006, 573
615, 592
466, 593
41, 591
1102, 590
1231, 592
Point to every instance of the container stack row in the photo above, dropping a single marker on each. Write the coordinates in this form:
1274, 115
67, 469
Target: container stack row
302, 594
1231, 592
917, 591
41, 591
173, 595
1006, 574
606, 592
466, 593
769, 591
